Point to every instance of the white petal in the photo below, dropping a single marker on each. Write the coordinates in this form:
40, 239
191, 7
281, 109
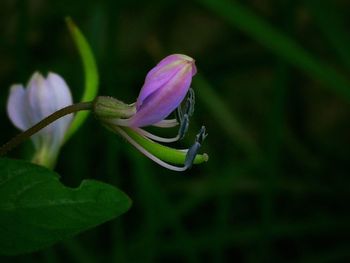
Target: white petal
40, 106
60, 90
41, 100
17, 107
45, 97
63, 98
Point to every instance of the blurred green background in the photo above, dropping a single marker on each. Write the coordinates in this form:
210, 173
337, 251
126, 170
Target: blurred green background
273, 91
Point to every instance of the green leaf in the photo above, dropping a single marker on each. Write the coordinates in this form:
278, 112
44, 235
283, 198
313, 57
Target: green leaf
91, 75
36, 210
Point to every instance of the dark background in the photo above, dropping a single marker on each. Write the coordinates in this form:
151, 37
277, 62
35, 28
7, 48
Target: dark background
273, 91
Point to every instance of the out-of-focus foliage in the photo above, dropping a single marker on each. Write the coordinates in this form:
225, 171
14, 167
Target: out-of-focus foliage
273, 90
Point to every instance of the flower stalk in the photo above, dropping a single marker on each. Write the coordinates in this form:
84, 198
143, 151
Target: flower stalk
82, 106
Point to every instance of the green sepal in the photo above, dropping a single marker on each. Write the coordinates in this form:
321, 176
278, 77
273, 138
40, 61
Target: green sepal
111, 108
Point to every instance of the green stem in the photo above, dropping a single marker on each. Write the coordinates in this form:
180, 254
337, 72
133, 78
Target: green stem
42, 124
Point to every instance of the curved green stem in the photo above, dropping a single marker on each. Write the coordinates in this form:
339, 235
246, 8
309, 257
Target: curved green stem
162, 152
42, 124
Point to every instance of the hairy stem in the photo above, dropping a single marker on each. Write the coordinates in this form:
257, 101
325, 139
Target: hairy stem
42, 124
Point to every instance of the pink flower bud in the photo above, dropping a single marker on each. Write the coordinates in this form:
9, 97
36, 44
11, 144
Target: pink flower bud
165, 87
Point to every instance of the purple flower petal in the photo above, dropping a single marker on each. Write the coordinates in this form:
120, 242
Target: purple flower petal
161, 74
165, 87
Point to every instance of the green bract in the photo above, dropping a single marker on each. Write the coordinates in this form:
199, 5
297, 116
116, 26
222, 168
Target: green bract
90, 71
